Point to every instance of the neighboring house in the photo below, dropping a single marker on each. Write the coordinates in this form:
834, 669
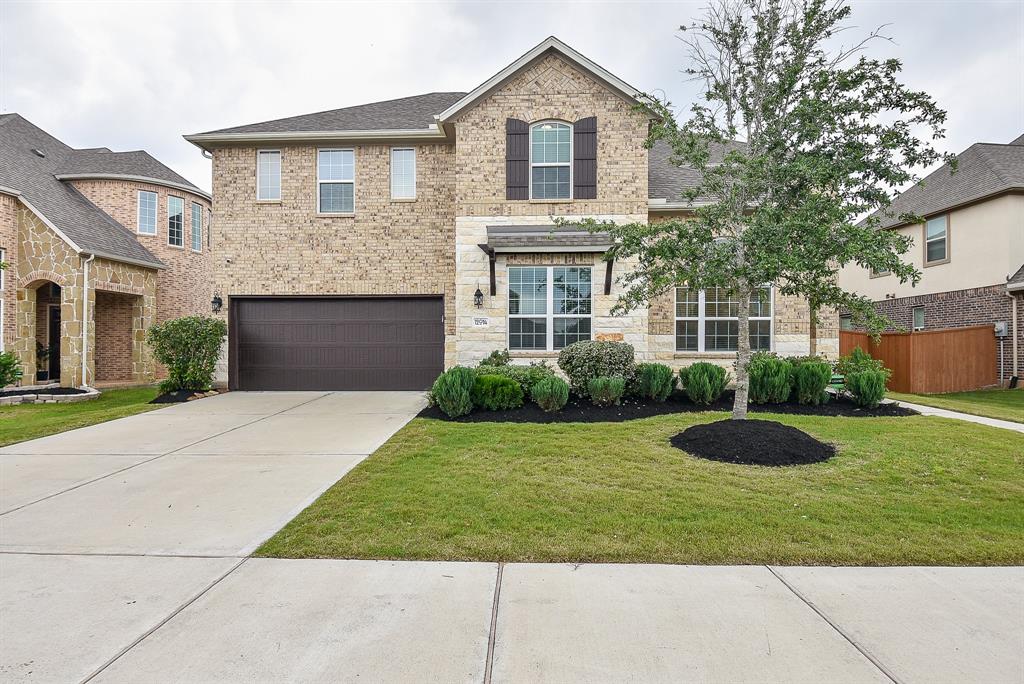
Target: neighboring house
970, 250
115, 239
371, 246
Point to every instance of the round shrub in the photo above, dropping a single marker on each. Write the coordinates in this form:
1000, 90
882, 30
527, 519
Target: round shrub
704, 382
867, 387
810, 378
654, 381
584, 361
496, 393
189, 348
526, 376
10, 369
551, 394
452, 391
770, 378
498, 357
606, 390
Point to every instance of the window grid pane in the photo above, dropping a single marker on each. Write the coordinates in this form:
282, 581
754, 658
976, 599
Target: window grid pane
527, 333
337, 198
571, 290
570, 330
269, 176
337, 165
403, 174
686, 335
175, 221
527, 291
760, 335
197, 226
721, 335
687, 302
551, 144
551, 182
712, 325
147, 212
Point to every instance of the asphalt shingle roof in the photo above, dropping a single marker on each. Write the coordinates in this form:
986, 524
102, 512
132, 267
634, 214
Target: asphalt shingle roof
516, 237
667, 181
136, 163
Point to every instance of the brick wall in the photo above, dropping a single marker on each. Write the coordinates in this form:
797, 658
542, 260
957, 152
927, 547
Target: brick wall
113, 349
9, 243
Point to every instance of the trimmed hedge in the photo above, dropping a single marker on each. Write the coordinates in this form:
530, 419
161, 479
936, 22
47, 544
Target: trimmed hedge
496, 393
551, 394
590, 359
654, 381
606, 390
704, 382
452, 391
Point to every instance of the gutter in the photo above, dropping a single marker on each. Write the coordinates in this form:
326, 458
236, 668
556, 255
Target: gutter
201, 140
137, 179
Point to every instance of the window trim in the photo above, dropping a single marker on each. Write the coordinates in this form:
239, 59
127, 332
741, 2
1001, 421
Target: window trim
701, 319
138, 212
924, 242
280, 157
182, 200
847, 321
192, 235
319, 182
550, 164
549, 315
391, 175
913, 321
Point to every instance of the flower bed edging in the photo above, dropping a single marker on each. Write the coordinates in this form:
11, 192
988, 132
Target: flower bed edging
43, 394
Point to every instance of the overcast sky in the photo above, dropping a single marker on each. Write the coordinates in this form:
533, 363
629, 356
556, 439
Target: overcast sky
134, 75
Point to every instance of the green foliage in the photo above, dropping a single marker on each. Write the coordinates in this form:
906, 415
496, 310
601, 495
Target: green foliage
867, 386
189, 348
498, 357
551, 394
452, 391
606, 390
860, 360
770, 378
704, 382
526, 376
584, 361
811, 376
10, 369
496, 393
654, 381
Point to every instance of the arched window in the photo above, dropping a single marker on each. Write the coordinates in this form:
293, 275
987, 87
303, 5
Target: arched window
551, 160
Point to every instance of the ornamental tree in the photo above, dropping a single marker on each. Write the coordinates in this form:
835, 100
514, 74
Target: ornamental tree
796, 140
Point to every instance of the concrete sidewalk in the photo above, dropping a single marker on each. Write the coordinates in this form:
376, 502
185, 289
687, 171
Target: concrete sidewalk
957, 415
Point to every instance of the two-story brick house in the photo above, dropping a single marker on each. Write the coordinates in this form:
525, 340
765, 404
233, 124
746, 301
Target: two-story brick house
371, 246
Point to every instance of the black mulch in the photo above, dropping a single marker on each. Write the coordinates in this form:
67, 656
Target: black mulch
52, 390
752, 442
582, 411
176, 397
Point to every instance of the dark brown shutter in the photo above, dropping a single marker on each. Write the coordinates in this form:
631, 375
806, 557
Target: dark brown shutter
584, 158
517, 159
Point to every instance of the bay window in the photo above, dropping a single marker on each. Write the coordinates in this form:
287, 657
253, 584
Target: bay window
549, 307
708, 320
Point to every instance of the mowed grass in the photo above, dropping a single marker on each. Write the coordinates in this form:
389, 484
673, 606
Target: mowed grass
914, 490
992, 403
28, 421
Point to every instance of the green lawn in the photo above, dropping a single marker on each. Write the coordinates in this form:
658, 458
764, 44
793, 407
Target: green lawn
993, 403
915, 490
29, 421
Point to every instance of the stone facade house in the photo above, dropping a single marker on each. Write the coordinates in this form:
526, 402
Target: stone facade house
370, 247
970, 251
98, 246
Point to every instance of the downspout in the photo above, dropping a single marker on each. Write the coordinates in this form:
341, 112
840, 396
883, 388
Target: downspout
85, 316
1013, 325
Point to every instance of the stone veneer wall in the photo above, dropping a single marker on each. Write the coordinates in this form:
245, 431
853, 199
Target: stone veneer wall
9, 244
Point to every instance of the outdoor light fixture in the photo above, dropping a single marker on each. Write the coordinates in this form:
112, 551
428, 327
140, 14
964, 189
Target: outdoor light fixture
478, 298
216, 303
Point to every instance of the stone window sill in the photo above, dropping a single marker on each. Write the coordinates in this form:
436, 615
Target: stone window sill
551, 201
402, 200
704, 355
533, 354
259, 201
345, 215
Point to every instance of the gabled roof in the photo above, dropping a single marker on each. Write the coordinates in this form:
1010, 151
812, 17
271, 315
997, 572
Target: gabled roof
1016, 281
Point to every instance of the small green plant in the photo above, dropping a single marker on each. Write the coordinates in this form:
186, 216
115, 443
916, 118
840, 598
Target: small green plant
770, 378
498, 357
526, 376
859, 360
551, 394
704, 382
452, 391
606, 390
867, 387
583, 361
811, 376
496, 393
10, 369
189, 348
654, 381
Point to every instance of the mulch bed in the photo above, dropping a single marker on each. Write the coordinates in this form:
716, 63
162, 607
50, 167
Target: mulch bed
752, 442
51, 390
181, 396
582, 411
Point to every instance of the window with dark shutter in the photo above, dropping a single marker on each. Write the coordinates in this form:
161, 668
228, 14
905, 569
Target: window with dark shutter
517, 159
584, 159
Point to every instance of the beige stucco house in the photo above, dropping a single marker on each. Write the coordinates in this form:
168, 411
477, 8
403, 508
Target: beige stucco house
371, 246
98, 246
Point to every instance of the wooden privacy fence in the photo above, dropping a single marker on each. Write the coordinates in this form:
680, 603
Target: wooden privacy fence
932, 361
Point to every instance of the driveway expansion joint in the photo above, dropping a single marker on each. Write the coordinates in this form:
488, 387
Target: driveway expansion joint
492, 635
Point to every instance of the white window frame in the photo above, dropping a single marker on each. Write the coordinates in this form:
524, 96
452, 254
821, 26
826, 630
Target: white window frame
944, 238
259, 157
393, 195
182, 200
549, 314
138, 212
192, 236
551, 164
702, 319
336, 182
913, 318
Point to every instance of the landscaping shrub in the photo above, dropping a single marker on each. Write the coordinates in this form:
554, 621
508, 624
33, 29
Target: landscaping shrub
654, 381
551, 393
811, 376
496, 393
498, 357
10, 369
859, 360
452, 391
584, 361
189, 347
704, 382
526, 376
866, 386
770, 378
606, 390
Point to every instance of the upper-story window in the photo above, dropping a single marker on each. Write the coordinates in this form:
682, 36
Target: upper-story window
708, 320
936, 240
175, 221
335, 181
197, 226
551, 160
147, 212
268, 175
403, 173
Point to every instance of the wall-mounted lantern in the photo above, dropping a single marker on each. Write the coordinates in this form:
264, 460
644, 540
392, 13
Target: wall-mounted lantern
216, 303
478, 298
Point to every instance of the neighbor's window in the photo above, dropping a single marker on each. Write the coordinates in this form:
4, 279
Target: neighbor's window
936, 240
918, 312
403, 173
846, 322
335, 179
197, 226
706, 320
268, 175
549, 307
147, 212
550, 160
175, 221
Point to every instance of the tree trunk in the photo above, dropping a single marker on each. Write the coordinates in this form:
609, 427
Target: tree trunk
814, 331
739, 405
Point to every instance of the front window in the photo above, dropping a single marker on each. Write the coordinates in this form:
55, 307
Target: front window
935, 240
549, 307
197, 226
268, 175
336, 173
550, 160
918, 312
147, 212
175, 221
403, 173
707, 320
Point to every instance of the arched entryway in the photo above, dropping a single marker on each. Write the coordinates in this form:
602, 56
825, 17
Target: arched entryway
48, 332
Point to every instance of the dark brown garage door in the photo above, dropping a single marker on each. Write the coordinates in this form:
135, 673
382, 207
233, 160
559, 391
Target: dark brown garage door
293, 343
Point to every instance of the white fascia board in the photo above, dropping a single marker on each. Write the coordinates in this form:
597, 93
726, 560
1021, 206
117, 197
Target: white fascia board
137, 179
433, 132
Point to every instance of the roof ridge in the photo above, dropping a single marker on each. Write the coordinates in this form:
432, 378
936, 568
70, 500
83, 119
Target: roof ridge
992, 165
